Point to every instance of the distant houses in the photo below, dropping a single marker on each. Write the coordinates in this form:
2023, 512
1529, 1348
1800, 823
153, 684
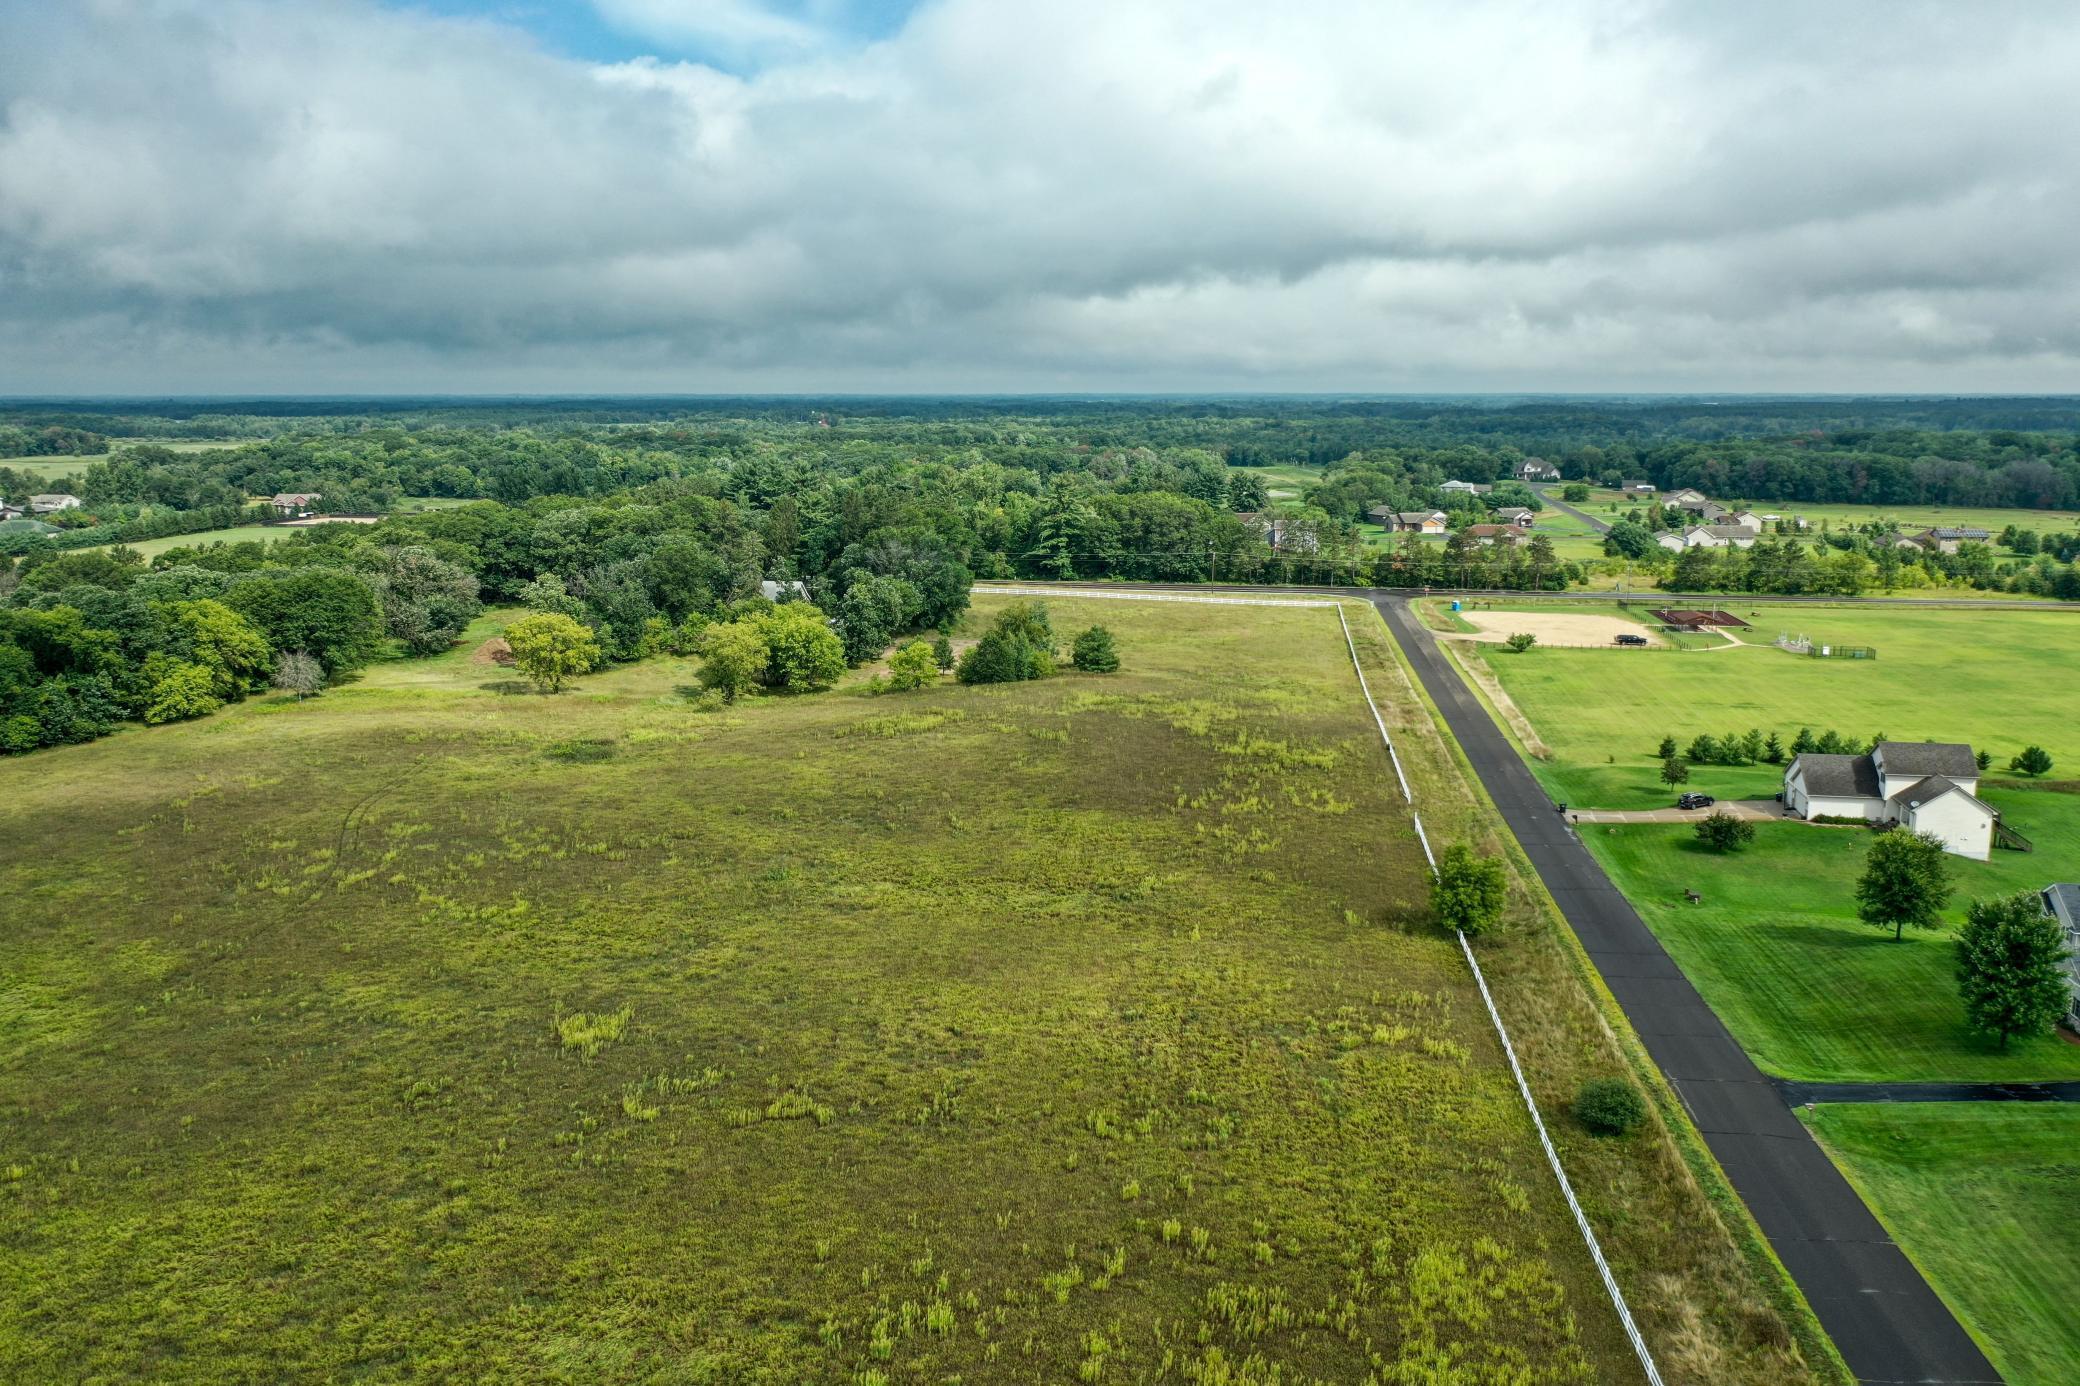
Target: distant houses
1941, 539
51, 504
1924, 786
1409, 521
1280, 532
1637, 488
1465, 488
295, 505
1521, 516
1505, 535
10, 512
1536, 469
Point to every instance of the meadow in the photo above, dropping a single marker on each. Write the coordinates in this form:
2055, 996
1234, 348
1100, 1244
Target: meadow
1087, 1029
48, 469
1997, 679
1810, 990
236, 534
1983, 1197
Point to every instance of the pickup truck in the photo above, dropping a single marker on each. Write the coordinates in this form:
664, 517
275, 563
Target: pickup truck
1628, 639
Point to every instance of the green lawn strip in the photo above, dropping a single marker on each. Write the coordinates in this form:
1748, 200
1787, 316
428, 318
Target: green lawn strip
1568, 1027
1984, 1198
917, 1023
1810, 990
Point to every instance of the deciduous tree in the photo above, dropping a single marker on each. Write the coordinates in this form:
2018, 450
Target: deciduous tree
2011, 967
1469, 891
550, 647
1906, 880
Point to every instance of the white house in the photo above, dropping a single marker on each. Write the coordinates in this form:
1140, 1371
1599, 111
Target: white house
1718, 537
2062, 902
1926, 786
1746, 519
1670, 540
1537, 469
294, 504
1465, 488
11, 512
1519, 515
1419, 522
45, 505
1638, 488
1688, 498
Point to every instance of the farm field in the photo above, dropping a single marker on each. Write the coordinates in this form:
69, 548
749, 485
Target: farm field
1997, 679
48, 469
1810, 990
1082, 1029
1980, 1195
1837, 516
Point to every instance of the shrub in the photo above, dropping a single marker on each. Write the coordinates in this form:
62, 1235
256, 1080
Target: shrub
942, 650
1093, 652
1520, 642
183, 690
2034, 760
1609, 1106
912, 667
1723, 832
1469, 891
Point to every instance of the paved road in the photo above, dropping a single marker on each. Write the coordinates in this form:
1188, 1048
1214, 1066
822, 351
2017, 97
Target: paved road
1545, 493
1798, 1094
1881, 1313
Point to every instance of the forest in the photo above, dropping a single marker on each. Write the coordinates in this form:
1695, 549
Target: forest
646, 519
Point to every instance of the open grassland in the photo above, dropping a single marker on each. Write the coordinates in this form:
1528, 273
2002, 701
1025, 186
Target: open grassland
1984, 1197
1997, 679
1285, 483
236, 534
1809, 989
1911, 517
1075, 1030
49, 469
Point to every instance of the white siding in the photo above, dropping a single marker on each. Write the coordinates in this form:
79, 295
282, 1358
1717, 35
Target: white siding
1965, 827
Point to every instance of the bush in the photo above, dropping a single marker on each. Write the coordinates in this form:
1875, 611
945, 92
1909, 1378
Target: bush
1520, 642
1093, 652
1469, 892
180, 692
1609, 1106
1723, 832
912, 667
942, 650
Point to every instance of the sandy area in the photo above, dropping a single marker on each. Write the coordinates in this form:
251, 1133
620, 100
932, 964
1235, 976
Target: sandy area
1556, 628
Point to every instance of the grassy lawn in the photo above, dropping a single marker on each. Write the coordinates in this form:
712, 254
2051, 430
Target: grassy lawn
1285, 483
1926, 516
1984, 1198
1810, 990
1997, 679
1075, 1030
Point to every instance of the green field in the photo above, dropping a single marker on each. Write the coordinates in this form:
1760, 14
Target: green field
49, 469
1285, 483
234, 535
1075, 1030
1810, 990
1984, 1197
1997, 679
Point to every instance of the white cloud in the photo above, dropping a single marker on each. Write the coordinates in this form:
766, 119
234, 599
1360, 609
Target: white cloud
1334, 194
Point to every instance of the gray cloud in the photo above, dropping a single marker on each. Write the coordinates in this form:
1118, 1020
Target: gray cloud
1335, 194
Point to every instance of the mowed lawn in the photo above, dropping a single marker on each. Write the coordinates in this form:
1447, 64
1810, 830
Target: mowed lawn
48, 469
234, 535
1810, 990
1997, 679
1082, 1030
1984, 1197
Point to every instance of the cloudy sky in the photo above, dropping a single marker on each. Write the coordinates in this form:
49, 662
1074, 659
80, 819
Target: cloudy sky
225, 196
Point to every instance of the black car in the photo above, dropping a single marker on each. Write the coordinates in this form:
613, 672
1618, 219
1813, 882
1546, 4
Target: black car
1695, 801
1630, 639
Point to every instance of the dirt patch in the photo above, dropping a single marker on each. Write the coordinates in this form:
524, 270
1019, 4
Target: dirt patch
493, 651
1557, 628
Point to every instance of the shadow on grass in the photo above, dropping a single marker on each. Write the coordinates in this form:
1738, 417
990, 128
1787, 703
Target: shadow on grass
1840, 939
511, 687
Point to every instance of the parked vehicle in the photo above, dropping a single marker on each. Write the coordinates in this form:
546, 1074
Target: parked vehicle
1629, 639
1695, 801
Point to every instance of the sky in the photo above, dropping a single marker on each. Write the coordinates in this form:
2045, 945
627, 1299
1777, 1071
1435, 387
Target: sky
722, 196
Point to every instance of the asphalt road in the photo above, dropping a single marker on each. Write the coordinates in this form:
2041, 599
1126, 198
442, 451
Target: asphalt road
1545, 493
1798, 1094
1886, 1321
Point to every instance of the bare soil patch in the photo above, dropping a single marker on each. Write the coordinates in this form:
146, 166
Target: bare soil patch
1557, 628
493, 651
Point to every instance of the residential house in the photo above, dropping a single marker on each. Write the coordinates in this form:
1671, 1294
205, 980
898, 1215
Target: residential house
1718, 537
1925, 786
295, 505
1419, 522
1280, 532
50, 504
1465, 488
10, 512
1670, 540
1712, 513
2062, 902
1688, 498
1945, 538
1537, 469
1521, 516
1638, 488
783, 591
1747, 519
1506, 535
1382, 515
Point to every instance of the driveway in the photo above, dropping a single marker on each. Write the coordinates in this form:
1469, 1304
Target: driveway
1545, 493
1754, 810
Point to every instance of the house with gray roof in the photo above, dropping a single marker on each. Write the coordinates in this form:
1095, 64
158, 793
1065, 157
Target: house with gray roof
1924, 786
1718, 537
2062, 902
1522, 516
1537, 469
